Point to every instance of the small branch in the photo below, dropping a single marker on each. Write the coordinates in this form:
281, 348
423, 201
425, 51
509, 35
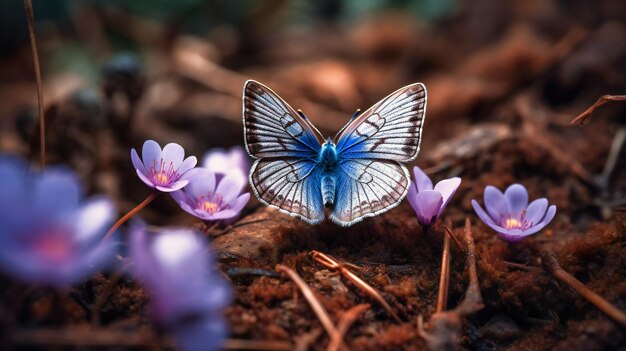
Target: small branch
345, 323
551, 265
315, 304
330, 263
582, 118
456, 241
127, 216
28, 6
473, 300
444, 277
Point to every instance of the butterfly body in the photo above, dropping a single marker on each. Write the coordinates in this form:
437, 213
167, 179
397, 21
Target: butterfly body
357, 175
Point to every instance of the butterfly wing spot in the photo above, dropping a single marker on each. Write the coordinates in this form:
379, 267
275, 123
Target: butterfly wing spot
291, 125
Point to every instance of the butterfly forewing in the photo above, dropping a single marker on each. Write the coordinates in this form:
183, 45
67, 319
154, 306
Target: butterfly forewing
272, 128
390, 130
285, 176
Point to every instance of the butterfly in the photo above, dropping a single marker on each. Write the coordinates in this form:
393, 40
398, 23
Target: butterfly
356, 174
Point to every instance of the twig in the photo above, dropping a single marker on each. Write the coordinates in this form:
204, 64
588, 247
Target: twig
456, 241
582, 118
315, 304
93, 338
345, 323
446, 325
127, 216
444, 277
330, 263
28, 6
551, 265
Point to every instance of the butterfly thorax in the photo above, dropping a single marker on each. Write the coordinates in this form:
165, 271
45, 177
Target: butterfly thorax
328, 161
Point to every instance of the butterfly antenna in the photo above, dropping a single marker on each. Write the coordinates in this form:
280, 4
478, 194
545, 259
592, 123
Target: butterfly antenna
356, 113
310, 124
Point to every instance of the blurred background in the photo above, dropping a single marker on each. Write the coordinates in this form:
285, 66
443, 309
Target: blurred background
504, 80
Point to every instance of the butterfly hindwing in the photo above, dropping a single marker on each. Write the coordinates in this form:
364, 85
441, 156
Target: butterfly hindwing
367, 187
390, 130
291, 185
272, 128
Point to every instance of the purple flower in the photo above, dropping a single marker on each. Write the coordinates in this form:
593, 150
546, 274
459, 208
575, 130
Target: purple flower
428, 202
48, 233
186, 295
510, 215
163, 169
209, 199
220, 161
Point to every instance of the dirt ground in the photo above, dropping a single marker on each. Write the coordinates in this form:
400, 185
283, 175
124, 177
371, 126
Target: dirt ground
504, 80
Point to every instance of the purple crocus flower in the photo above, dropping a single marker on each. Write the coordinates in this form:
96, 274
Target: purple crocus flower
48, 233
186, 295
163, 169
428, 202
510, 215
209, 199
220, 161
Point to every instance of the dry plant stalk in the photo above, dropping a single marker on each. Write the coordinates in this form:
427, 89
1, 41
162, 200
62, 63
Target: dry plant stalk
582, 118
315, 304
95, 338
331, 263
345, 323
28, 7
445, 326
444, 280
551, 265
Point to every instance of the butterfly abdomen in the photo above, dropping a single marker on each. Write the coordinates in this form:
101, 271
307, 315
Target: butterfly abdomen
328, 190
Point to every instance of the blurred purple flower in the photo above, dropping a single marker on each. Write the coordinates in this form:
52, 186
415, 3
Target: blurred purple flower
510, 215
163, 169
428, 202
48, 233
220, 161
209, 199
186, 295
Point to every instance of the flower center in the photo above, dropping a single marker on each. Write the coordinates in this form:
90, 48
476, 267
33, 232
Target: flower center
210, 207
163, 173
211, 203
513, 221
53, 247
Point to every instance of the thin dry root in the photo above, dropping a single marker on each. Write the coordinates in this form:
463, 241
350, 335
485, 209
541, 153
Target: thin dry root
582, 118
331, 263
551, 265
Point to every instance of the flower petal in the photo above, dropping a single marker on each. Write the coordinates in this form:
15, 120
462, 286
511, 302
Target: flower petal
150, 154
536, 211
483, 215
201, 182
224, 214
517, 196
496, 204
447, 189
173, 153
173, 187
56, 191
144, 178
137, 161
230, 186
92, 219
422, 181
412, 195
189, 163
239, 203
428, 203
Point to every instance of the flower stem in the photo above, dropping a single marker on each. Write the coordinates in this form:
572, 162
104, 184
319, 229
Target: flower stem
127, 216
444, 278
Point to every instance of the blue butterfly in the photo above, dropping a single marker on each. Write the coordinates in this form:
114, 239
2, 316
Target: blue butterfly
355, 175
